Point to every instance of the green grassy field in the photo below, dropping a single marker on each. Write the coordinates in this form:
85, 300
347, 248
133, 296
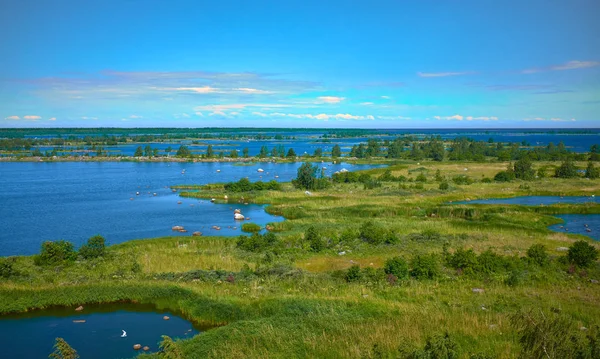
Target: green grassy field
288, 300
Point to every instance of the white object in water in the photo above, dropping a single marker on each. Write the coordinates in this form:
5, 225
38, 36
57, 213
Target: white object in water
260, 170
124, 334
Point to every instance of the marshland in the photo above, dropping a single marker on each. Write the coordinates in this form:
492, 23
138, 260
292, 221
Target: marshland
380, 250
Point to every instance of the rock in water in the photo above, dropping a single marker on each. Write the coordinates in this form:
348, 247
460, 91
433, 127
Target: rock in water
146, 348
238, 216
137, 346
197, 234
79, 309
166, 317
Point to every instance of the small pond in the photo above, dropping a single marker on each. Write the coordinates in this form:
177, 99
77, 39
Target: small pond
95, 332
535, 200
586, 224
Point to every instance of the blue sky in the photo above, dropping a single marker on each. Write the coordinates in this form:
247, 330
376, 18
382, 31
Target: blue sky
369, 64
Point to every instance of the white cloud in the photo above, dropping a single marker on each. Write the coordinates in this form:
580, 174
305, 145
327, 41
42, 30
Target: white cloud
442, 74
218, 113
52, 119
468, 118
571, 65
253, 91
204, 89
330, 99
32, 118
89, 118
259, 114
386, 97
366, 103
236, 106
135, 116
12, 118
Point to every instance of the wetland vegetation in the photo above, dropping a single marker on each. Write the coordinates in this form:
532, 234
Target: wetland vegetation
391, 262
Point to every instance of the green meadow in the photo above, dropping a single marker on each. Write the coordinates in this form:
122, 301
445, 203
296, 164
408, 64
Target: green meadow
390, 267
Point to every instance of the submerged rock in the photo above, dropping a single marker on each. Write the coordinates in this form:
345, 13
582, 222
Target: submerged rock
146, 348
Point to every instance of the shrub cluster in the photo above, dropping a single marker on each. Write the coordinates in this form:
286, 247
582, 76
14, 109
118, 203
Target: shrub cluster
250, 227
244, 185
257, 242
375, 233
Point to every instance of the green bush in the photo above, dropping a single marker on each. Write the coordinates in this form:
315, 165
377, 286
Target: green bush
591, 171
444, 186
313, 238
582, 254
7, 269
464, 261
567, 169
353, 274
371, 184
374, 233
462, 180
396, 266
94, 247
421, 178
250, 227
504, 176
257, 242
439, 346
424, 266
244, 185
55, 253
489, 262
537, 254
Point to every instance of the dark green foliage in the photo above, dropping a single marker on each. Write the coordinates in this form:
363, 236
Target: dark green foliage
396, 266
444, 186
55, 253
375, 233
169, 348
209, 151
62, 350
345, 177
537, 254
183, 151
582, 254
504, 176
336, 151
291, 153
523, 169
387, 177
591, 171
353, 274
244, 185
7, 269
427, 235
567, 169
94, 247
424, 266
438, 176
315, 241
462, 180
439, 346
257, 242
139, 152
371, 184
250, 227
421, 178
307, 178
464, 261
489, 262
318, 152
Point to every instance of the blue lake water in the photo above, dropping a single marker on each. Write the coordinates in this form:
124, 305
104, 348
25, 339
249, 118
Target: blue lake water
75, 200
535, 200
576, 223
306, 142
32, 334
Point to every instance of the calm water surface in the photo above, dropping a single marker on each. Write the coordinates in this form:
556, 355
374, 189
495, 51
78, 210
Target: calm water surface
76, 200
32, 335
576, 223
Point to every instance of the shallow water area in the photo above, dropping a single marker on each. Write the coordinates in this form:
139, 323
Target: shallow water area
586, 224
123, 200
95, 332
535, 200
